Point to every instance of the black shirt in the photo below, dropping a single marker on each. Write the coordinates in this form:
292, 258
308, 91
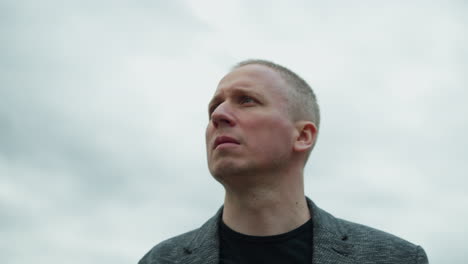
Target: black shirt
294, 247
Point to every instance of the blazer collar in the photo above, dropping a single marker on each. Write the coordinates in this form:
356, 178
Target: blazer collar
204, 247
330, 240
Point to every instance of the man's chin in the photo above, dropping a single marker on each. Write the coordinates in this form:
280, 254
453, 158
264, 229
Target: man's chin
227, 171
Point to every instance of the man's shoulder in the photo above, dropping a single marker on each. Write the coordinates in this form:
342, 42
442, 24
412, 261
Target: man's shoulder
368, 241
366, 234
180, 247
167, 249
362, 243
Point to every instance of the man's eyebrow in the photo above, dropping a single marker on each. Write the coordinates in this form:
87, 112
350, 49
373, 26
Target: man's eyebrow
213, 100
240, 90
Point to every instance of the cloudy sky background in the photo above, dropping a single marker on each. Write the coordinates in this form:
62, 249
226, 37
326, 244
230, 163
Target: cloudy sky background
103, 107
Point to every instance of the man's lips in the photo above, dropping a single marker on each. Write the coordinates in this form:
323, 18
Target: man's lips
224, 139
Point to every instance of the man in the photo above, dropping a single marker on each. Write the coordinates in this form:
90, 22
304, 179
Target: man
263, 123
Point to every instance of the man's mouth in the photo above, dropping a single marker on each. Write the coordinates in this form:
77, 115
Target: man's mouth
224, 140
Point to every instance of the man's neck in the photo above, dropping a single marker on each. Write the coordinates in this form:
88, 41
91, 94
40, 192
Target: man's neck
265, 211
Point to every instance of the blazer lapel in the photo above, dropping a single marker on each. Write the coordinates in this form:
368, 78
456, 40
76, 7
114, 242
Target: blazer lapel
330, 241
204, 248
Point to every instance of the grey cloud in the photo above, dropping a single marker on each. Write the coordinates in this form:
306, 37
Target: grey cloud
69, 147
100, 159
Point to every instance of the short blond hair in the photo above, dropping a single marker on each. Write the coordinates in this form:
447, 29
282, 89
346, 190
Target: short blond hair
303, 102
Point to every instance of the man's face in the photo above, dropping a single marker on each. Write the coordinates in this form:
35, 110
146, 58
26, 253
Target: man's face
249, 131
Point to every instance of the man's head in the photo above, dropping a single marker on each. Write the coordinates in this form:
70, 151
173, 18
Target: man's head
258, 123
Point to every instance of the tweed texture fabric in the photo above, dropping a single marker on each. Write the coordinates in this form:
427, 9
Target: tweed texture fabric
334, 241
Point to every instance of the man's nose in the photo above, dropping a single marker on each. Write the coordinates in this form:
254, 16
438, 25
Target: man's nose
222, 115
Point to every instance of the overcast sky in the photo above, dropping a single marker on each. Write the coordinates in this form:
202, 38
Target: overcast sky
103, 108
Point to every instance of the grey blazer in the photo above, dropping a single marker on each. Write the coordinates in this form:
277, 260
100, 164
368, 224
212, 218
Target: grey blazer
334, 241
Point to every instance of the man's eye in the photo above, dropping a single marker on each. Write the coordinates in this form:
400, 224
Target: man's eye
246, 99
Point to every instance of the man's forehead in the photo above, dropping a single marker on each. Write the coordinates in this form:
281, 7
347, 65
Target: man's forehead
249, 77
253, 71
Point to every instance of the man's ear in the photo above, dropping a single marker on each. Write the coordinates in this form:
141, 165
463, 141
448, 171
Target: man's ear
307, 134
